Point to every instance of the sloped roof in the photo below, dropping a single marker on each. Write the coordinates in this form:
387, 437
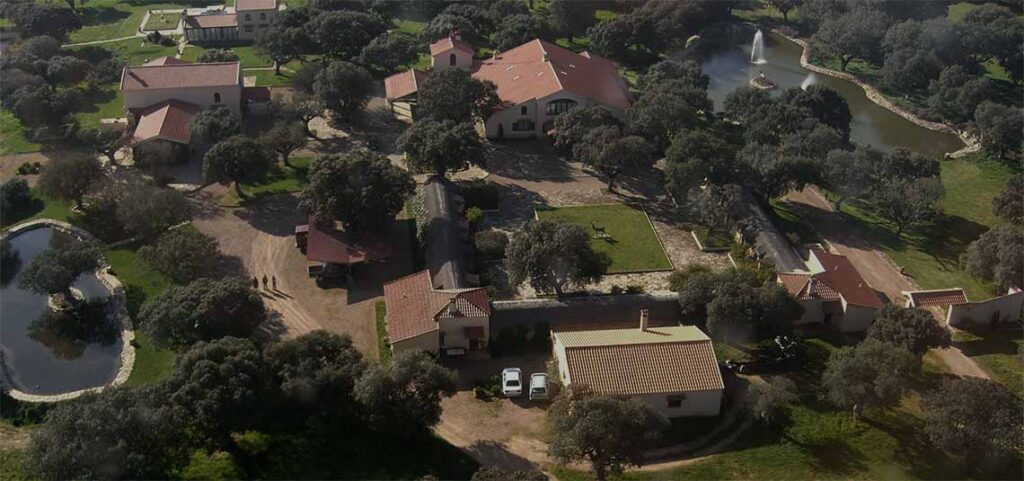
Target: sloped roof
167, 120
449, 43
841, 276
939, 297
630, 361
414, 306
339, 247
180, 75
403, 84
241, 5
537, 69
808, 286
213, 20
165, 60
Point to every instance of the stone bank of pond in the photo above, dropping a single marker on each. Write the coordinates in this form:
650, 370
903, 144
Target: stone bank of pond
725, 57
46, 354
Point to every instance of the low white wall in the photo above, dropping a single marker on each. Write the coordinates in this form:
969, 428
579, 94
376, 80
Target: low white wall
990, 313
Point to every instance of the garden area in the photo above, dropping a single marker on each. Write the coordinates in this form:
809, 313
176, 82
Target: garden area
162, 21
621, 231
109, 19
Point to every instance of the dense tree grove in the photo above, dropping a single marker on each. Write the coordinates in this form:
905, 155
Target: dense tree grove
182, 254
215, 124
226, 396
344, 88
203, 310
441, 146
913, 329
70, 178
452, 94
236, 160
998, 257
874, 373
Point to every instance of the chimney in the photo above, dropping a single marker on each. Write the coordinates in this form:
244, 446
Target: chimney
457, 34
645, 319
453, 308
545, 56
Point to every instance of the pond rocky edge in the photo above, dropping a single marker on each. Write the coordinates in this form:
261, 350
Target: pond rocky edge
117, 307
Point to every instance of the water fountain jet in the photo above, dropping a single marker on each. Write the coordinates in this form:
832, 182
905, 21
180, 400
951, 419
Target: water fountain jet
757, 49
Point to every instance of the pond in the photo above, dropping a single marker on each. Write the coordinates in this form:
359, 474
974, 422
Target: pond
727, 61
44, 354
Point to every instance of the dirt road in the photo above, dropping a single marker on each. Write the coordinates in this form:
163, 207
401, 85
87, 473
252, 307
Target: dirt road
260, 237
880, 271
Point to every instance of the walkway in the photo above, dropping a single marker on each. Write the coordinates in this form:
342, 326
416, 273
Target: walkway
877, 268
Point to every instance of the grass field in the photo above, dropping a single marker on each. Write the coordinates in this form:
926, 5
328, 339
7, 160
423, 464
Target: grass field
247, 54
267, 78
104, 103
12, 137
133, 51
44, 208
998, 353
12, 466
633, 246
162, 21
141, 282
107, 19
280, 180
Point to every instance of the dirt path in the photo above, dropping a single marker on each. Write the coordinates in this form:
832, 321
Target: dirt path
13, 438
877, 268
260, 238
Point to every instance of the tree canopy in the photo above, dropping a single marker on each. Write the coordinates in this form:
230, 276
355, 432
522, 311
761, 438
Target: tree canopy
70, 177
215, 124
203, 310
182, 254
236, 160
404, 396
344, 88
874, 373
975, 419
553, 256
441, 146
55, 269
913, 329
362, 189
452, 94
998, 257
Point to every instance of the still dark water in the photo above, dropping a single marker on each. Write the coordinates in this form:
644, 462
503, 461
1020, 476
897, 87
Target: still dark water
38, 360
728, 64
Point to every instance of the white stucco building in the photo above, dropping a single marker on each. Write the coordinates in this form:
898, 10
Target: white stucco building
536, 81
832, 292
422, 316
673, 369
246, 21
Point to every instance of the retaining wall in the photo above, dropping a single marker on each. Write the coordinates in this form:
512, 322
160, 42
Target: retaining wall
606, 311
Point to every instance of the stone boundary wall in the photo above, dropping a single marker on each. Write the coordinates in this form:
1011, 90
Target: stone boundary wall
117, 302
972, 144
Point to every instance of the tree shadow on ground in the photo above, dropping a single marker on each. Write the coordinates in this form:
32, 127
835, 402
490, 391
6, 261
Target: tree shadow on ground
273, 328
381, 129
276, 215
516, 206
532, 160
991, 342
102, 15
497, 454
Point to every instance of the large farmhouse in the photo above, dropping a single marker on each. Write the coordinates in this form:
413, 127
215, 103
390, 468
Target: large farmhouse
536, 81
832, 292
671, 368
248, 20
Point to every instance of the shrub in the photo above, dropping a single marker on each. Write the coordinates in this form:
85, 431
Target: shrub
634, 289
482, 195
182, 254
168, 42
29, 168
15, 199
615, 290
490, 244
473, 215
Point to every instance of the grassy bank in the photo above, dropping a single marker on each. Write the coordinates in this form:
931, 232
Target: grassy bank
383, 348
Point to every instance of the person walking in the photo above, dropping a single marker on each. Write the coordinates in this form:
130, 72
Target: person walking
255, 283
265, 282
273, 282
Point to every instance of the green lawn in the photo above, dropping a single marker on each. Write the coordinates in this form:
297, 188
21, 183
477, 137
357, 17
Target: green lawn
247, 54
409, 27
104, 103
280, 180
165, 21
44, 208
141, 281
12, 137
133, 51
107, 19
997, 352
383, 349
12, 466
633, 246
266, 78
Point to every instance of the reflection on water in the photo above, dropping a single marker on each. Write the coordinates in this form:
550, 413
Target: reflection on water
46, 353
729, 66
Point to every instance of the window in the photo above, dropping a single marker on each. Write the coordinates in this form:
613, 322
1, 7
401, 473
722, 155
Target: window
441, 340
216, 97
522, 110
248, 28
451, 59
523, 125
263, 15
675, 401
556, 107
248, 17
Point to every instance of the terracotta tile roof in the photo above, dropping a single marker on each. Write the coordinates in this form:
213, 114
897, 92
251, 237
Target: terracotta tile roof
537, 69
631, 361
211, 21
414, 306
165, 60
339, 247
794, 282
241, 5
167, 120
841, 276
943, 297
403, 84
449, 43
183, 75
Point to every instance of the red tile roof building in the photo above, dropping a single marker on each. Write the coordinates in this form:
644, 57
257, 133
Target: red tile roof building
247, 20
672, 368
536, 81
419, 316
832, 291
162, 96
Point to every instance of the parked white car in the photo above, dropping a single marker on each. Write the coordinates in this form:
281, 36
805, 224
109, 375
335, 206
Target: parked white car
538, 386
512, 382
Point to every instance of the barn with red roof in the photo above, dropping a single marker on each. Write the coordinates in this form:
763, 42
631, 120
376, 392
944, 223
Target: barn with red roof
832, 292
